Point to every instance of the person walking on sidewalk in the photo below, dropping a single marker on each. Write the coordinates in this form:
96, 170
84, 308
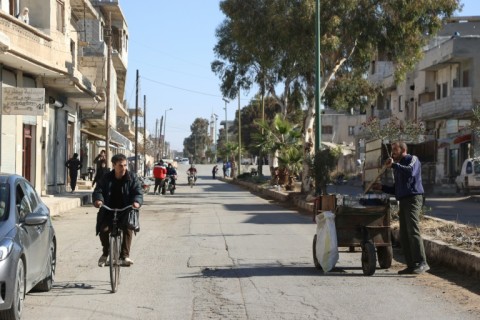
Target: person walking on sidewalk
408, 190
214, 171
73, 165
117, 189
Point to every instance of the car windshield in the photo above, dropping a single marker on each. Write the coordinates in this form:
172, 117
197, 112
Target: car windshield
4, 196
476, 166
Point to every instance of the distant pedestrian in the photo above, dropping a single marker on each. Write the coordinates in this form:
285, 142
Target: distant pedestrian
214, 171
73, 165
99, 159
408, 190
100, 173
224, 169
228, 170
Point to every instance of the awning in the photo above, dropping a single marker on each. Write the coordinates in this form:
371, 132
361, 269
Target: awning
99, 137
463, 139
90, 134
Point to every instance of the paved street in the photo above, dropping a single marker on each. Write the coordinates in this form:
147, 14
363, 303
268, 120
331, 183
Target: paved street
216, 251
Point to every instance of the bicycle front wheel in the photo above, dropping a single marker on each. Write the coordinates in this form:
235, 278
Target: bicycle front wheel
114, 256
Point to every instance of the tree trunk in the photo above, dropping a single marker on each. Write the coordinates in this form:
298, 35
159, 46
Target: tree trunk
308, 149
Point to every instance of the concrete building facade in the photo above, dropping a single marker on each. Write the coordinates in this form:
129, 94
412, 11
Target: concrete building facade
439, 95
62, 51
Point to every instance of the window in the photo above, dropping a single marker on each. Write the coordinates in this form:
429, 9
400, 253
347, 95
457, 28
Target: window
444, 89
327, 129
469, 168
439, 91
351, 130
31, 194
60, 16
4, 202
400, 102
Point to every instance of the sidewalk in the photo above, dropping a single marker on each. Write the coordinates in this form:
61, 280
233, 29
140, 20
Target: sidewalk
64, 202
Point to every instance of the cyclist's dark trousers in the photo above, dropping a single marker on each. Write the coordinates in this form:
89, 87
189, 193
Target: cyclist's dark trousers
159, 184
127, 240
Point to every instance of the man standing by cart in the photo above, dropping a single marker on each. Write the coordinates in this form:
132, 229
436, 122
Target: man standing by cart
408, 190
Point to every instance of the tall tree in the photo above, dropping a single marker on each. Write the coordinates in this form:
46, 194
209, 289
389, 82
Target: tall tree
271, 43
198, 142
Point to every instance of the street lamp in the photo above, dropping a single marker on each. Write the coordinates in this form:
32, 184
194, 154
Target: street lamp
164, 152
215, 136
226, 123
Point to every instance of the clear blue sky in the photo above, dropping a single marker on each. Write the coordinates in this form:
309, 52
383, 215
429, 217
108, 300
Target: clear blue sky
171, 44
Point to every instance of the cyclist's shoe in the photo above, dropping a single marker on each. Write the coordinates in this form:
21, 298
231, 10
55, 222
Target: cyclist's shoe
127, 262
102, 261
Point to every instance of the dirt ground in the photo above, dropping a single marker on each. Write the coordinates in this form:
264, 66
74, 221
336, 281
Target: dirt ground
462, 236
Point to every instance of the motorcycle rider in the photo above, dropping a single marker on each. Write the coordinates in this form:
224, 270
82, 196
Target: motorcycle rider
193, 172
172, 172
159, 172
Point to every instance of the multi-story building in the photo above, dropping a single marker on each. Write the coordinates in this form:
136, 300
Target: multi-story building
340, 129
440, 95
62, 51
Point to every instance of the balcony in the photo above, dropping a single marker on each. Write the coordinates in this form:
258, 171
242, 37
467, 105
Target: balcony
458, 105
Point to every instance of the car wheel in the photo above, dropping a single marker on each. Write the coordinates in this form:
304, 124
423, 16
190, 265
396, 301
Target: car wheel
47, 283
15, 312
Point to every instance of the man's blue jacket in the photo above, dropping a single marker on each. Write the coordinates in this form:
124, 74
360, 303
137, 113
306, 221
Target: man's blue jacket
408, 178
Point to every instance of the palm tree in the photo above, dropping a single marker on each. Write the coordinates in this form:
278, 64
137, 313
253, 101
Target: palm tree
282, 142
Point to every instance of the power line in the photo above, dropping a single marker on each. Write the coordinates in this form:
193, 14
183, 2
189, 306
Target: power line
183, 89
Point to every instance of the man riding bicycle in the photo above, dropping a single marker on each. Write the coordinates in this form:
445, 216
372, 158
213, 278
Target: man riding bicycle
192, 171
117, 189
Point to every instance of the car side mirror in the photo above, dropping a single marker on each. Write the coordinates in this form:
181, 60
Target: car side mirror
35, 219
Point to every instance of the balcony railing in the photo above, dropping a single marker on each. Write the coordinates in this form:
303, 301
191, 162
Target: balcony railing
458, 104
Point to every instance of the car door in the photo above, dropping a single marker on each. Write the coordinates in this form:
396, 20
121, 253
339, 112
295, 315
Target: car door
34, 237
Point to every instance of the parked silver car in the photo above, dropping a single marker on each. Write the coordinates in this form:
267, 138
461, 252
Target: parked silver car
27, 244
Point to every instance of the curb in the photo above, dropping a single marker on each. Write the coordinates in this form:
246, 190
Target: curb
58, 205
450, 256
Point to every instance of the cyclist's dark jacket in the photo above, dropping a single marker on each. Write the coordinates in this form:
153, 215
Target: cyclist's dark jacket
129, 189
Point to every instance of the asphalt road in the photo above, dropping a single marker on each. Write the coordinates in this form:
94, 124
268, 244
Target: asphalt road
216, 251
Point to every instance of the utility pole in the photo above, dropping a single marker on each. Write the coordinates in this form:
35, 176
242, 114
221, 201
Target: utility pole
160, 146
239, 136
144, 135
318, 115
107, 100
136, 123
157, 139
226, 122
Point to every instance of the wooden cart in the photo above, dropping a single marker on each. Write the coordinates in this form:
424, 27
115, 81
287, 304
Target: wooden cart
367, 227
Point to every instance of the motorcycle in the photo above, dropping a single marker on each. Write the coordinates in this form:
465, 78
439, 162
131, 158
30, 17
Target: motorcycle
169, 184
146, 183
191, 180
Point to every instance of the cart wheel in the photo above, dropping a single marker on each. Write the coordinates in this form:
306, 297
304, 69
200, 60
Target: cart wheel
385, 256
369, 259
314, 249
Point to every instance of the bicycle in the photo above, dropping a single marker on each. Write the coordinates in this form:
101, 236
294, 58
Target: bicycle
115, 247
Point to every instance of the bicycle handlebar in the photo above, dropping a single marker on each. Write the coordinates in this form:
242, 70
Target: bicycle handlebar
108, 208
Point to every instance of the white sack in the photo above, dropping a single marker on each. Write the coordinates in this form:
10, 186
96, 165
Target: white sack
326, 246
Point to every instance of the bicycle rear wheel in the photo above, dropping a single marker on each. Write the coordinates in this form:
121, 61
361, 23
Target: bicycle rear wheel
114, 256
